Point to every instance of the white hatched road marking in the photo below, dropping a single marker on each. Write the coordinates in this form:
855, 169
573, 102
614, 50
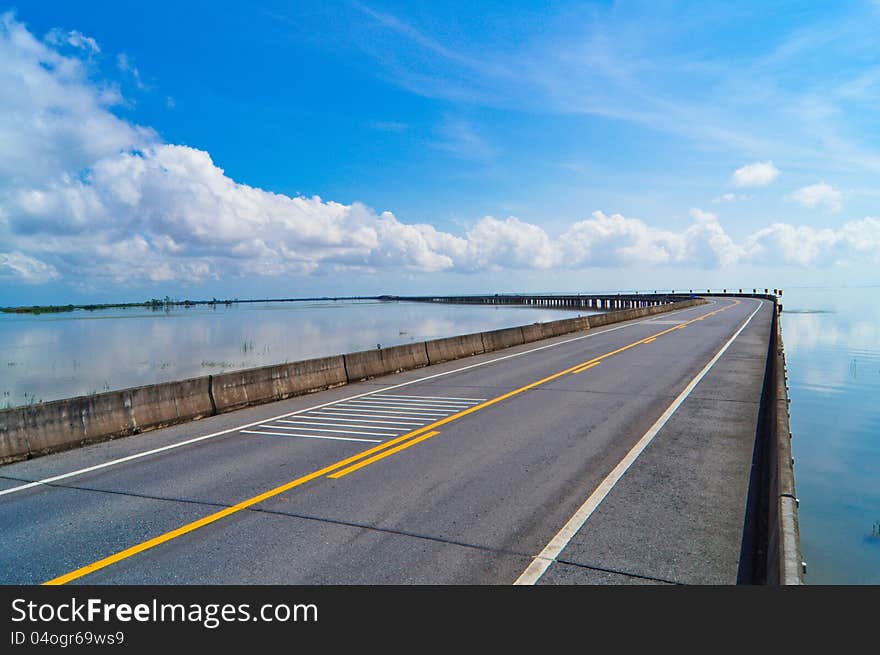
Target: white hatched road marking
400, 405
392, 395
397, 410
336, 417
391, 413
310, 429
363, 417
338, 425
419, 403
422, 415
310, 436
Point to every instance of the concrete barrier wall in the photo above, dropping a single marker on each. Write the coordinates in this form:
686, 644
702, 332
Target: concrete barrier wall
444, 350
784, 557
372, 363
771, 552
505, 338
46, 427
60, 424
254, 386
157, 405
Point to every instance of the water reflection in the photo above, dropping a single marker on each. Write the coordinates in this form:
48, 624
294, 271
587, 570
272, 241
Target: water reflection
834, 375
53, 356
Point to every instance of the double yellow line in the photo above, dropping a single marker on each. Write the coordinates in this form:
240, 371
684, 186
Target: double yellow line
355, 462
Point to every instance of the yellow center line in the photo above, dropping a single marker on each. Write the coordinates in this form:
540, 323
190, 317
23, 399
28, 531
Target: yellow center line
250, 502
650, 340
584, 368
376, 458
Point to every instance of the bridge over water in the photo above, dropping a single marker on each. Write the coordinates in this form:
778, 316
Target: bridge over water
648, 444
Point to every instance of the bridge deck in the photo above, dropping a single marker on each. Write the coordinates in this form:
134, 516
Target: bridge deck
476, 465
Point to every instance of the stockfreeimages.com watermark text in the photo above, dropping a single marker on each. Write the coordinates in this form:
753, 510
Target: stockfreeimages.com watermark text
209, 615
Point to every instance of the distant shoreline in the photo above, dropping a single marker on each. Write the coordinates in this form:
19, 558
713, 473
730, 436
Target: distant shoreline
161, 303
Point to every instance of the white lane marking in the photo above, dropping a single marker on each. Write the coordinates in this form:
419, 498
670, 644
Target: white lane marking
338, 425
393, 409
340, 413
395, 404
450, 398
422, 403
220, 433
310, 436
419, 420
336, 417
311, 429
386, 413
542, 561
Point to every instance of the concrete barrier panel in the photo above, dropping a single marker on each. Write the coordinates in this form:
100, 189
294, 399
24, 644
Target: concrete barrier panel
444, 350
313, 374
557, 328
13, 434
533, 332
598, 320
253, 386
64, 423
505, 338
158, 405
370, 363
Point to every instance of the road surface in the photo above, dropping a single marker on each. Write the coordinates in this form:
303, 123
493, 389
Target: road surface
619, 455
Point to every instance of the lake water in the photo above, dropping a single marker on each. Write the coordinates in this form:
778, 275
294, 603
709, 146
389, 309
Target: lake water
832, 345
49, 356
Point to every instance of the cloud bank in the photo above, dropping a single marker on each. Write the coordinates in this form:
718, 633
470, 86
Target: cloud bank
86, 195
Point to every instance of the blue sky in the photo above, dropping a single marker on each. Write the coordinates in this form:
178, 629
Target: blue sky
276, 148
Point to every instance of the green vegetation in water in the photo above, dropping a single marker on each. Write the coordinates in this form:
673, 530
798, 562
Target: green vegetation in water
155, 304
35, 309
158, 304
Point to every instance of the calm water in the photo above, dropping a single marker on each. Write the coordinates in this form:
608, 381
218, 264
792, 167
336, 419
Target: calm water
832, 344
50, 356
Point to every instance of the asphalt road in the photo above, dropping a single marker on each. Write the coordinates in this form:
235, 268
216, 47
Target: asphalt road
460, 473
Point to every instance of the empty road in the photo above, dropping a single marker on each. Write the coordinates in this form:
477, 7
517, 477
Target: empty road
616, 455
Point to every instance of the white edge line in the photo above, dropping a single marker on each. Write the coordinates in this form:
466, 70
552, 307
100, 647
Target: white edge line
310, 436
542, 561
240, 428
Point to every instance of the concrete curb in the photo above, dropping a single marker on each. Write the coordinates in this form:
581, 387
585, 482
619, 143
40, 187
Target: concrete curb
34, 430
785, 559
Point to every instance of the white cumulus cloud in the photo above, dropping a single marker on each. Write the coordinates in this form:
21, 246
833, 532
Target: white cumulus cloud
753, 175
819, 195
807, 246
